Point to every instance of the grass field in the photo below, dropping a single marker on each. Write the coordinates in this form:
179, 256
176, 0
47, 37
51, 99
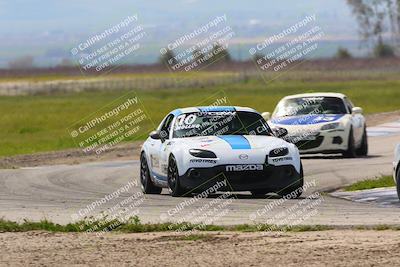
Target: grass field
32, 124
134, 225
384, 181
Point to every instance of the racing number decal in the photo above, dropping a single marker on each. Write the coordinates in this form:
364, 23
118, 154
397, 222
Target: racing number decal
186, 122
183, 119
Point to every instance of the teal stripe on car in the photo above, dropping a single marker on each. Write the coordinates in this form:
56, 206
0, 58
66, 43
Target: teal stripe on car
236, 141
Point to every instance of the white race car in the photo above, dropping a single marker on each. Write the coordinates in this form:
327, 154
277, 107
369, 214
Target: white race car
321, 123
396, 169
195, 148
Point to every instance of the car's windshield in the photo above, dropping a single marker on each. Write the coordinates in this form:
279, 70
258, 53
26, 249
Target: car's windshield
310, 105
220, 123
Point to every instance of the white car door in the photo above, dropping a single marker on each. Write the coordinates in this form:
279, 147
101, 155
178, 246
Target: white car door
157, 146
165, 145
154, 159
164, 156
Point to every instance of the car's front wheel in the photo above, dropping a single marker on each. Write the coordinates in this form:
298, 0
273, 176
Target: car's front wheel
351, 148
147, 185
363, 150
295, 190
174, 187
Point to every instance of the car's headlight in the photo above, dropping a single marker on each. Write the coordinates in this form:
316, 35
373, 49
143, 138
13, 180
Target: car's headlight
199, 153
279, 152
330, 126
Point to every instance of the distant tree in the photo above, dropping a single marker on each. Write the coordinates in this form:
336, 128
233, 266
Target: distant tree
343, 53
376, 17
25, 62
383, 50
168, 58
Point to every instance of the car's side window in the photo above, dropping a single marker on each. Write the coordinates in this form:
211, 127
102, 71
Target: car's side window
166, 126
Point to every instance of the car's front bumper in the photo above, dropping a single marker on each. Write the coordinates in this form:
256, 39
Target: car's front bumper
334, 141
271, 178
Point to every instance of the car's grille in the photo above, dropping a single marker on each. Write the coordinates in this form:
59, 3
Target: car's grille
309, 144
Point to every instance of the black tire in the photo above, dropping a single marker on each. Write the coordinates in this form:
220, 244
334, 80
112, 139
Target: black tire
363, 150
146, 184
296, 189
173, 178
398, 181
259, 192
351, 149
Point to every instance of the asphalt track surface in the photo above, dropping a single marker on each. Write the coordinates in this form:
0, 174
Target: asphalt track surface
62, 193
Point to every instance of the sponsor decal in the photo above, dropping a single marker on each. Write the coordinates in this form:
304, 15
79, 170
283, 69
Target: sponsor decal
187, 126
281, 159
154, 161
164, 168
213, 161
206, 142
247, 167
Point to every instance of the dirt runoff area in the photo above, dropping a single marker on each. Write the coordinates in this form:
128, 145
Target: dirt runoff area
323, 248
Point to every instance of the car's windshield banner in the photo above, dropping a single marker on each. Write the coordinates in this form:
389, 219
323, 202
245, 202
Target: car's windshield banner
307, 119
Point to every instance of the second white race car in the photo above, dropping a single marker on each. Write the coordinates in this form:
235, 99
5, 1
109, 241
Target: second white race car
322, 123
195, 148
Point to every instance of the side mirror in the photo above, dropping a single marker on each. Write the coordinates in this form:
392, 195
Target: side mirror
280, 132
155, 135
357, 110
266, 115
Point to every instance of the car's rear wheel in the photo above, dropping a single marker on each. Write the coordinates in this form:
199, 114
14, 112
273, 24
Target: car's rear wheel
363, 150
295, 190
146, 184
173, 178
351, 149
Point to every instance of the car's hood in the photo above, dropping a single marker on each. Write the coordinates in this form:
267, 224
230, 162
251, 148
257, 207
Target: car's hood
232, 142
307, 119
